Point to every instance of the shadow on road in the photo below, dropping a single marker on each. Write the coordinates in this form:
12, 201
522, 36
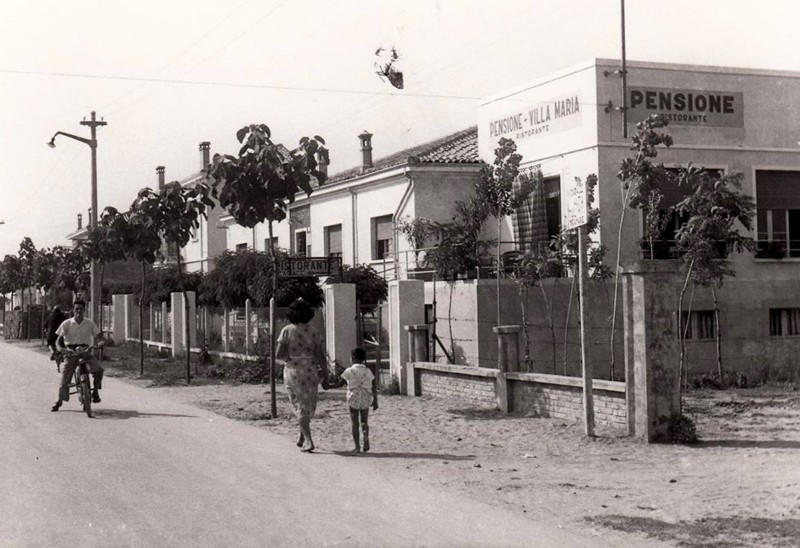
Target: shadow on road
120, 414
393, 455
754, 444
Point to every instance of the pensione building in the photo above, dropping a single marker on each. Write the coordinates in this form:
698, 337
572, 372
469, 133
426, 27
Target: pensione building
579, 122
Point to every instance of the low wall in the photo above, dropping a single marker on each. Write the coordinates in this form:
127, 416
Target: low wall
562, 397
475, 385
534, 393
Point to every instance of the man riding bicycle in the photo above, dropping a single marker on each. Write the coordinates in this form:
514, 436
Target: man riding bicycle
72, 333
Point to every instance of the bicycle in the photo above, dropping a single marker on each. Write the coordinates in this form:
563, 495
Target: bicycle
81, 377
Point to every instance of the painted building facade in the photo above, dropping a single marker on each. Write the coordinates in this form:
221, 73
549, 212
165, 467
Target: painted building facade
570, 124
354, 214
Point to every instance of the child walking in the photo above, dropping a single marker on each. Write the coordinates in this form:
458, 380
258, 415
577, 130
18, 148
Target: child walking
362, 391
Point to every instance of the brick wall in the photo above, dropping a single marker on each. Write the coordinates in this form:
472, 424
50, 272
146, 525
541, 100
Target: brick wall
535, 393
562, 397
474, 385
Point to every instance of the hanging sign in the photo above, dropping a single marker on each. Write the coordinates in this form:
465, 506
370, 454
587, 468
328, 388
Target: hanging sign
577, 213
309, 266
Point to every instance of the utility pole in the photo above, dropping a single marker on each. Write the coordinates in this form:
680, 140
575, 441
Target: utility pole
95, 268
624, 77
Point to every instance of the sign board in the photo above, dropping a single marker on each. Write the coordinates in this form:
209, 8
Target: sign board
293, 267
687, 107
577, 211
535, 120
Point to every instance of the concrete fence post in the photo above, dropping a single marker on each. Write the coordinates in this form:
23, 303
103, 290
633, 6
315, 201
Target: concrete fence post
417, 352
507, 360
164, 338
180, 320
340, 330
152, 317
406, 307
226, 330
652, 348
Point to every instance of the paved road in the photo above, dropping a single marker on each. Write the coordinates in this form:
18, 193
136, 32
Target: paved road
151, 472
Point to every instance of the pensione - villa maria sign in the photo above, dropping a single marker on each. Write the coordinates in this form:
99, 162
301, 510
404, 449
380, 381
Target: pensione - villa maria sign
539, 119
687, 107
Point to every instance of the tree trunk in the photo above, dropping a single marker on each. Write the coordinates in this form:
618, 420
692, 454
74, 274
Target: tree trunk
141, 322
626, 193
566, 325
497, 285
682, 331
523, 298
272, 334
718, 332
450, 323
186, 327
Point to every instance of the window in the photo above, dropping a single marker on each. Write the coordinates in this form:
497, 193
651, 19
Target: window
274, 241
241, 247
301, 246
784, 322
382, 232
671, 220
333, 241
537, 218
701, 324
778, 213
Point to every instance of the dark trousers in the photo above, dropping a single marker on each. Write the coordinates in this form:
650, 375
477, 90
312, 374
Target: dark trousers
68, 371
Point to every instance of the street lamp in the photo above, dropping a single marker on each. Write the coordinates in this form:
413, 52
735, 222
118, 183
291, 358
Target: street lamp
92, 142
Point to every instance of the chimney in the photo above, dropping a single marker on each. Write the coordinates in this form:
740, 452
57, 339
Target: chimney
366, 150
323, 160
80, 221
160, 172
205, 155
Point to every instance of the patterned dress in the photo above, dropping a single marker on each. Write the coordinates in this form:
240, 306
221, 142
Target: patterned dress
300, 347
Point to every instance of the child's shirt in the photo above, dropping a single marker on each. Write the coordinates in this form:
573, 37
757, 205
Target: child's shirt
359, 386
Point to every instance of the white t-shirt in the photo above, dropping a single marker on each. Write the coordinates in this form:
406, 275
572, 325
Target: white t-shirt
359, 386
78, 333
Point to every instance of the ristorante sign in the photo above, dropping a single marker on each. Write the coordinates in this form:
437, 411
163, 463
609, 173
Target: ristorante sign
687, 107
538, 120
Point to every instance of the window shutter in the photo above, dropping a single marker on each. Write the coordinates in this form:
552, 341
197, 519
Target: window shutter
334, 239
383, 228
778, 189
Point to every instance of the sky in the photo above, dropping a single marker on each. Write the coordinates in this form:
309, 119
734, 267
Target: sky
168, 75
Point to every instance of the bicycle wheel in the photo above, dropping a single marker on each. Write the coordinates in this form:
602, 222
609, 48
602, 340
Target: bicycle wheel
86, 395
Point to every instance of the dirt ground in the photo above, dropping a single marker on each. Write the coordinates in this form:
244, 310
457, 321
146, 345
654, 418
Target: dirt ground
740, 486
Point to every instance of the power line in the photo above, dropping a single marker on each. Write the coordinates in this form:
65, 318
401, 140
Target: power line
176, 58
233, 84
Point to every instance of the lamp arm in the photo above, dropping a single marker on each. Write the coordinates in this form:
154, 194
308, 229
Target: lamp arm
89, 142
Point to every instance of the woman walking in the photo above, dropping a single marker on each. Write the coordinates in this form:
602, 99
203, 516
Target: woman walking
299, 346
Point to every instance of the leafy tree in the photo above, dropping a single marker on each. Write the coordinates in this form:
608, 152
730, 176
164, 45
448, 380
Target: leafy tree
247, 274
371, 287
496, 195
12, 275
72, 269
104, 244
260, 182
639, 177
714, 208
27, 260
173, 213
417, 231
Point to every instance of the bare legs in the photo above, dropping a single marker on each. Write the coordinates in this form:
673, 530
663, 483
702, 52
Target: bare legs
305, 435
360, 416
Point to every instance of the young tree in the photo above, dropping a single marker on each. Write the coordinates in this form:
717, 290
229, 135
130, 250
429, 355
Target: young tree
27, 260
639, 177
714, 207
173, 213
460, 250
258, 185
417, 231
105, 244
495, 192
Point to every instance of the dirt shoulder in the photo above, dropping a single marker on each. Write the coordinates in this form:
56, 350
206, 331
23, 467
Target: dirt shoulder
739, 487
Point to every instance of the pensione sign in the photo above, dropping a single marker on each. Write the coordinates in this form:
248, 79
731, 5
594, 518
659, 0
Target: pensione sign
687, 107
538, 120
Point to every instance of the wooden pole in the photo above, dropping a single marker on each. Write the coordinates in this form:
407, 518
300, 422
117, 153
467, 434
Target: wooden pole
586, 363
